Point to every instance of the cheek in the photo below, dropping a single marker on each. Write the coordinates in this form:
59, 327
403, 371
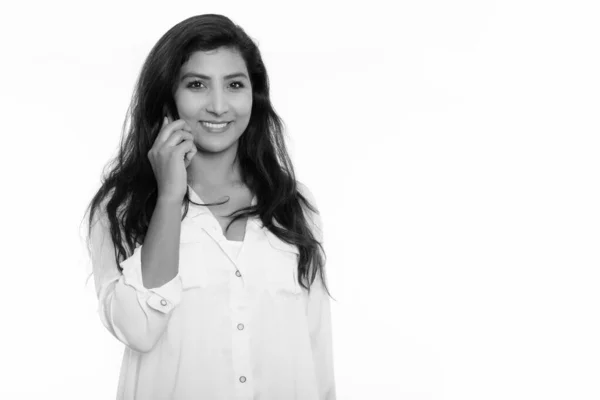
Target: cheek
244, 105
185, 106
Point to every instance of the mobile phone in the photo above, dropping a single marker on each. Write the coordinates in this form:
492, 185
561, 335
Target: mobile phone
170, 112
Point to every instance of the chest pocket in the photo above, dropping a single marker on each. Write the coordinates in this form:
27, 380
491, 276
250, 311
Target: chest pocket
281, 268
201, 261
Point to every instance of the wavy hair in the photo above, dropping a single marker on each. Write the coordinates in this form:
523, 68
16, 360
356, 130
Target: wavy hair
129, 188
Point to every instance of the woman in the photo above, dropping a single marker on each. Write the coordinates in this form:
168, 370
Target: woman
206, 251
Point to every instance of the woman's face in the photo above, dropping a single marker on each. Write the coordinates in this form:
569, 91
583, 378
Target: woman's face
214, 86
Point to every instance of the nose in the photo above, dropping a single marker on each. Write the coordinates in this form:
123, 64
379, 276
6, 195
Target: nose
217, 102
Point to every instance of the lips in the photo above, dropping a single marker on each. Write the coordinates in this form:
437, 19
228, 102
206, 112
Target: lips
215, 129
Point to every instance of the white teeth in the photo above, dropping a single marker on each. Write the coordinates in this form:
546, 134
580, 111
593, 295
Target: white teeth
216, 126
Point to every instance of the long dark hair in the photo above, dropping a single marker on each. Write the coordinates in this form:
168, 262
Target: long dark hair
129, 189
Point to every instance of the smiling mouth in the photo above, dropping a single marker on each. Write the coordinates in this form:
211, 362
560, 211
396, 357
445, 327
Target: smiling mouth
212, 127
215, 123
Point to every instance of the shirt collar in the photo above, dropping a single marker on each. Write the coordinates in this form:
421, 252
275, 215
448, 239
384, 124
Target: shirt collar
195, 210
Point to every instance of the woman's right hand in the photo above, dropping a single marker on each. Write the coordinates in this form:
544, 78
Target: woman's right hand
169, 156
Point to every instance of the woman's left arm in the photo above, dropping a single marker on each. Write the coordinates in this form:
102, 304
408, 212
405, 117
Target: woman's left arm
319, 324
319, 317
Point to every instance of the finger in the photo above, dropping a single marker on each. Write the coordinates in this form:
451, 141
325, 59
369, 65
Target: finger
183, 147
177, 137
168, 129
170, 119
189, 156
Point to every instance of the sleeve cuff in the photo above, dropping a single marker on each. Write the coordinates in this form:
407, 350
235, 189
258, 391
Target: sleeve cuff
163, 298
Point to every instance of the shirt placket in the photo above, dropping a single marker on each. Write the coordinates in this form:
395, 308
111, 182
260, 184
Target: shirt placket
240, 314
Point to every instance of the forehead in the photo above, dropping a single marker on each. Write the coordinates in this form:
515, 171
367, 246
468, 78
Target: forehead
217, 62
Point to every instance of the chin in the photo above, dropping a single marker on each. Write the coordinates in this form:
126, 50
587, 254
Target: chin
215, 146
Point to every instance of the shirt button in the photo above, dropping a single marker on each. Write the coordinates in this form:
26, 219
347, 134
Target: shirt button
240, 326
242, 379
238, 273
163, 302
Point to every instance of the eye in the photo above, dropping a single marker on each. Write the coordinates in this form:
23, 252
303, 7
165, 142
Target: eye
192, 83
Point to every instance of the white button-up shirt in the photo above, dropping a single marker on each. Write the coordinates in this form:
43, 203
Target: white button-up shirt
233, 324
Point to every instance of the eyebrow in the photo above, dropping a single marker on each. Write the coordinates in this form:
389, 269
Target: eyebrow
208, 78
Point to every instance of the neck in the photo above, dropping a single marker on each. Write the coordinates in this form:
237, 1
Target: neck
208, 169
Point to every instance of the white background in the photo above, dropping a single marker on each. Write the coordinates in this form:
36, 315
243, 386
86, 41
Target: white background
452, 148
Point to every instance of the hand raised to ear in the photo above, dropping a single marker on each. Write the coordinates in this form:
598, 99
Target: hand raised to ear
170, 155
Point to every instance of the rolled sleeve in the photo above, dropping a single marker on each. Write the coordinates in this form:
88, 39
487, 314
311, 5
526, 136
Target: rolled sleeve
163, 298
135, 315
